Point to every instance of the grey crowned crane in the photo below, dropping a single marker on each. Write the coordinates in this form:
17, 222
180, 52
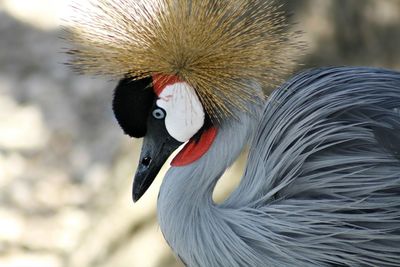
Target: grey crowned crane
322, 181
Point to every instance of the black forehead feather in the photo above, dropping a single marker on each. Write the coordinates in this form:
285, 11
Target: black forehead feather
132, 102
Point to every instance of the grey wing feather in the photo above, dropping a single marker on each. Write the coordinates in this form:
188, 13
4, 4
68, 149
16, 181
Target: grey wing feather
389, 137
322, 184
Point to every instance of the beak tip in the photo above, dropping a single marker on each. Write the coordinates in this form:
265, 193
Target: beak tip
136, 196
135, 199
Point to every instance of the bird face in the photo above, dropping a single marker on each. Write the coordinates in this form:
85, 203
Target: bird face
167, 113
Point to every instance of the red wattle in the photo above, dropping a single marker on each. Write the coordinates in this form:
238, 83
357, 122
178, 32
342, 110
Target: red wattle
193, 150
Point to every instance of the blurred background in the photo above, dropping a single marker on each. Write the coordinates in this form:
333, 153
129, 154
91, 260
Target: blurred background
66, 167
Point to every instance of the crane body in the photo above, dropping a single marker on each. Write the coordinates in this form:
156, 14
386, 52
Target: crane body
322, 181
321, 186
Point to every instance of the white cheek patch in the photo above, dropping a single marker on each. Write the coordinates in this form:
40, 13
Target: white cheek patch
185, 114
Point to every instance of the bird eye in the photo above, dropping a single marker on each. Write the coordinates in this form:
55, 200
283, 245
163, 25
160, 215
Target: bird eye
158, 114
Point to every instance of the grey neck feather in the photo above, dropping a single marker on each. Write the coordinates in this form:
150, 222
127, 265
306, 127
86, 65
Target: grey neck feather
187, 214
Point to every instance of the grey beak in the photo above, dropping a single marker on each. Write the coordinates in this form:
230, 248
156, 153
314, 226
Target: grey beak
156, 149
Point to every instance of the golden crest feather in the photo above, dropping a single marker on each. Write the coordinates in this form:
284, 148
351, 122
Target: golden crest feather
216, 46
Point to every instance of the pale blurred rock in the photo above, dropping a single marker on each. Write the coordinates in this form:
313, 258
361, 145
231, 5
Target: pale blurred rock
20, 194
51, 97
11, 226
11, 167
21, 127
32, 11
25, 259
147, 249
55, 191
58, 232
384, 12
314, 17
96, 177
73, 223
36, 190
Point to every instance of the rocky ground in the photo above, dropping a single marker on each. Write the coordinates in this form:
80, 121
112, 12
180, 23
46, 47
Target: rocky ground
66, 167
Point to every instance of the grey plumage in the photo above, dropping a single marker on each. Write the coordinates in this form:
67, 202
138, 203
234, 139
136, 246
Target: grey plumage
321, 186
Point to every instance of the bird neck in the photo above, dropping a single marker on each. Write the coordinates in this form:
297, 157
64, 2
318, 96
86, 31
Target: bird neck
185, 205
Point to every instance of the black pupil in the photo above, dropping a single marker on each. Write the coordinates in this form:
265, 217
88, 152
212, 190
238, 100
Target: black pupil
146, 161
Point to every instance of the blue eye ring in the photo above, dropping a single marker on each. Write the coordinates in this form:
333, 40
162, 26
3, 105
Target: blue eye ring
158, 113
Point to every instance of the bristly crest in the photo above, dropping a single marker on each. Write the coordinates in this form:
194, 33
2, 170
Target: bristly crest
216, 46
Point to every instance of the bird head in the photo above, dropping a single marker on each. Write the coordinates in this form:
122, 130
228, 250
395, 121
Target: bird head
187, 66
167, 112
